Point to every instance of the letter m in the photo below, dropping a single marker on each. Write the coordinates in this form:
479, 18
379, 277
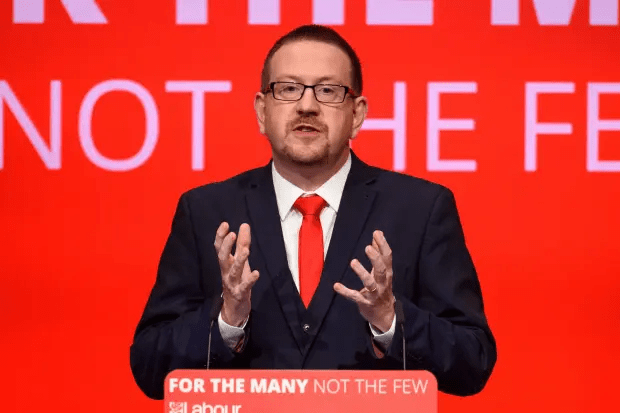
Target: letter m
80, 11
554, 12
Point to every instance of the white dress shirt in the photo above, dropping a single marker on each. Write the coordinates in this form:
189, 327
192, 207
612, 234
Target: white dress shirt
290, 219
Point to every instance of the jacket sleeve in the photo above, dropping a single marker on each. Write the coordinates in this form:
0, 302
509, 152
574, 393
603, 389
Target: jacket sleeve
174, 329
445, 328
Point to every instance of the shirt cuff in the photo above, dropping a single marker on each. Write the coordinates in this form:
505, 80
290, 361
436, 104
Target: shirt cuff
231, 335
383, 340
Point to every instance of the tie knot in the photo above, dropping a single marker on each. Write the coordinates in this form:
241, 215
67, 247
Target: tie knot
310, 205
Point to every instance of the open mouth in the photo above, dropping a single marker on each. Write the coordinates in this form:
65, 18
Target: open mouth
306, 128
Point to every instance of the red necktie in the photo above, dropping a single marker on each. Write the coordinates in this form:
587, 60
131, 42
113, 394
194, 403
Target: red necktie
310, 245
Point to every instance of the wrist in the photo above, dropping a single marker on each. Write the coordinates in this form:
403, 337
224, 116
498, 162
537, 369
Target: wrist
385, 323
234, 315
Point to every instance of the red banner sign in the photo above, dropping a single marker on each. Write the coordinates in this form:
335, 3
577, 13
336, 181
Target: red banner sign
302, 391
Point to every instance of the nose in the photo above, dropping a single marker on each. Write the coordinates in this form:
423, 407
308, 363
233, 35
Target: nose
308, 103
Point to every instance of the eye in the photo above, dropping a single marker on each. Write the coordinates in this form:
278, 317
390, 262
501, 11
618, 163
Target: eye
287, 88
326, 90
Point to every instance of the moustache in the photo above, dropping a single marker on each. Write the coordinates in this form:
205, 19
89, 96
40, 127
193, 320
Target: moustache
311, 122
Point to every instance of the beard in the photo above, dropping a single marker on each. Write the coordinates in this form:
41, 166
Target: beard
306, 150
305, 143
315, 153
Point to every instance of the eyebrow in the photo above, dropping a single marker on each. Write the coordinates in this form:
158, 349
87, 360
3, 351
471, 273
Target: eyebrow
298, 79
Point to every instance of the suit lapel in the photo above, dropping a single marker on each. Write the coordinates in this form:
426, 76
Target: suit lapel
267, 236
356, 203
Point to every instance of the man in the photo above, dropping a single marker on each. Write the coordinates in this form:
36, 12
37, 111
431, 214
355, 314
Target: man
311, 252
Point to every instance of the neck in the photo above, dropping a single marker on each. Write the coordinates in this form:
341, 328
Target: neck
309, 177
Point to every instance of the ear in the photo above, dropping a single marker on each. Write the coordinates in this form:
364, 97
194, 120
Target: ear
259, 108
360, 109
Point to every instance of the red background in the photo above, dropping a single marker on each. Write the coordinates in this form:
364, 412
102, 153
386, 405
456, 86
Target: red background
80, 245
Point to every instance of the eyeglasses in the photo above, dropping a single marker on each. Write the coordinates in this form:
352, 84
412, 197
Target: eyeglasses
324, 93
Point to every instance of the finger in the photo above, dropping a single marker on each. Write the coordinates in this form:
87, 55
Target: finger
240, 259
245, 238
378, 264
384, 247
223, 255
250, 280
367, 279
221, 232
247, 272
243, 244
351, 295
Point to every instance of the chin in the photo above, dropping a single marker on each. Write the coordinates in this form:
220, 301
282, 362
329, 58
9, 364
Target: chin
307, 155
305, 158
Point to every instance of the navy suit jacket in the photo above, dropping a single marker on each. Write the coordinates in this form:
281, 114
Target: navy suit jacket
445, 327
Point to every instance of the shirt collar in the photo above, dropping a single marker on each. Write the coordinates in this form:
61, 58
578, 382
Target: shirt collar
330, 191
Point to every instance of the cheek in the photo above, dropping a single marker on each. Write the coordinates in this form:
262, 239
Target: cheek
276, 119
340, 125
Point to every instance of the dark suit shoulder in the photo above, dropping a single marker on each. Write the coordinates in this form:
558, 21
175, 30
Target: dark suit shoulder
219, 197
237, 182
405, 186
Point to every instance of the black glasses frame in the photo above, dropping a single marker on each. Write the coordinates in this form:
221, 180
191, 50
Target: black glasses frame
347, 91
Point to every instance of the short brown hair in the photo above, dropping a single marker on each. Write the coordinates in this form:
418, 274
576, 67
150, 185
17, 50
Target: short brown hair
320, 34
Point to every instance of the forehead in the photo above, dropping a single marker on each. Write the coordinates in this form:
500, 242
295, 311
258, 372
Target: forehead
311, 61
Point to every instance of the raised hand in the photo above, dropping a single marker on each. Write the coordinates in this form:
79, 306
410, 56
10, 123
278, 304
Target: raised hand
375, 301
237, 278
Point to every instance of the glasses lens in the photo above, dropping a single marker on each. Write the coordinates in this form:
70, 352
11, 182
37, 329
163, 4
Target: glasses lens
329, 93
287, 91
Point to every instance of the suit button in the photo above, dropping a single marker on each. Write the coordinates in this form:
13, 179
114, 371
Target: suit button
306, 328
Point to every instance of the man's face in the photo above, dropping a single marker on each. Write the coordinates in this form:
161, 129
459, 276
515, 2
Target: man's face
307, 132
